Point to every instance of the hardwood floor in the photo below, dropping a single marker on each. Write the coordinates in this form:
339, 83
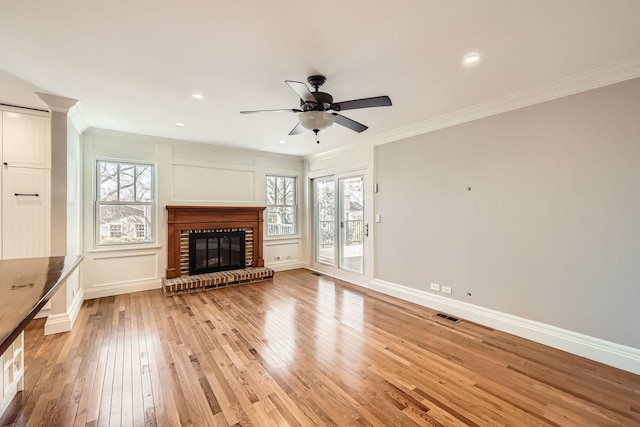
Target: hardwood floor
303, 350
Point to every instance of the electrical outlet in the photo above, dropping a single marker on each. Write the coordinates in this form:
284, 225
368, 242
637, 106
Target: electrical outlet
435, 287
288, 257
446, 290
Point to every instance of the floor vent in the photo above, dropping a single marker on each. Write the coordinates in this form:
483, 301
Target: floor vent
447, 317
315, 273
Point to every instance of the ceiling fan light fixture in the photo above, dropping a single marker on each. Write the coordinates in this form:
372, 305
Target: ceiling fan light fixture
316, 120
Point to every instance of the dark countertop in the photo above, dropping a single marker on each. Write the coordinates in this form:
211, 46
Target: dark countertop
26, 284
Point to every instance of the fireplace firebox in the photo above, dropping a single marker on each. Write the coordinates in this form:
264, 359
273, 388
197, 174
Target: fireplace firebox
213, 251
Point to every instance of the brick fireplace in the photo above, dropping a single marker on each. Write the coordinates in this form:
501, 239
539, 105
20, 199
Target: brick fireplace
186, 221
182, 221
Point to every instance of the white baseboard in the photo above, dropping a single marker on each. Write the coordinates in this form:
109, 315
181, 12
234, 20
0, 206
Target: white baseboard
76, 306
58, 323
121, 288
63, 322
284, 266
609, 353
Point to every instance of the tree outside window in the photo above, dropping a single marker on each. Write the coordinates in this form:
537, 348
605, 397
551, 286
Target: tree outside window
281, 206
124, 202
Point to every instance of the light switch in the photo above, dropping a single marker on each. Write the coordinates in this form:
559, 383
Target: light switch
378, 218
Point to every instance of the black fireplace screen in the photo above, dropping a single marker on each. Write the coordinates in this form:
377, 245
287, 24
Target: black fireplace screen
216, 251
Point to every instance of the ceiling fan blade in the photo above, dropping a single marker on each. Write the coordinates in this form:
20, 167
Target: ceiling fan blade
302, 90
376, 101
286, 110
297, 129
348, 123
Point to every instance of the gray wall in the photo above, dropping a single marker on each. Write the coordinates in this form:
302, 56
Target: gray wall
550, 230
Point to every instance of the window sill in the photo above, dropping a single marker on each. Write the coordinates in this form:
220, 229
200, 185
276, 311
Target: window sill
276, 238
120, 248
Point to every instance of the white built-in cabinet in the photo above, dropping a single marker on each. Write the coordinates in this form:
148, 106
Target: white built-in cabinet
26, 140
12, 372
25, 214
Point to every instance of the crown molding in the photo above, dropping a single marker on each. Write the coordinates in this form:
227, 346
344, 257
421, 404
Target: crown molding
599, 77
335, 152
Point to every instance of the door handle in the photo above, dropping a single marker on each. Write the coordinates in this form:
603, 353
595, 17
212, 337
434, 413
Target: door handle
366, 230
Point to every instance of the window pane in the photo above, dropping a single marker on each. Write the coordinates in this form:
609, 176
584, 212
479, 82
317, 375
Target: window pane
127, 183
281, 221
125, 224
143, 183
271, 190
326, 226
280, 193
108, 178
289, 191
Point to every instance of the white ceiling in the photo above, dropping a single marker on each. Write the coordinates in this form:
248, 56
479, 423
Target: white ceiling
133, 65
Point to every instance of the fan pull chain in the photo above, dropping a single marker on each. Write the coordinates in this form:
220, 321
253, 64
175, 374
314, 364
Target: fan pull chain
316, 132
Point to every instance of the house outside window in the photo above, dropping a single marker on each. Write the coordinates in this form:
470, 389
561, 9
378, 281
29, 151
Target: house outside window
115, 231
141, 230
125, 202
281, 206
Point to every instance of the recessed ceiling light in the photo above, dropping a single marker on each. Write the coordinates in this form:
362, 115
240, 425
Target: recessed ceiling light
179, 124
197, 96
282, 142
471, 59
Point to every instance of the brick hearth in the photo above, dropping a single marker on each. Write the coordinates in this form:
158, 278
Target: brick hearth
219, 279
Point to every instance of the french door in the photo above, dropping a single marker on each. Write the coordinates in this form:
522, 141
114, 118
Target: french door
340, 228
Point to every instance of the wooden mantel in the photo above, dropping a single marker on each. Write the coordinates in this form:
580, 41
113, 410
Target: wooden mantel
182, 218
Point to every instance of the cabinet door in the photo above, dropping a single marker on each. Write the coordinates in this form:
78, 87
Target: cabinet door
26, 140
12, 372
26, 222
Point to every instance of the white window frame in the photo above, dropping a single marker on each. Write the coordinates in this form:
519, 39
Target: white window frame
97, 203
294, 206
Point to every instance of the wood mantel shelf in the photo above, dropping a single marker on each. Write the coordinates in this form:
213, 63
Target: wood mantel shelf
180, 218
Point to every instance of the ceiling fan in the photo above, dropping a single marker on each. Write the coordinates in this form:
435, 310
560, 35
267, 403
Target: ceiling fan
318, 111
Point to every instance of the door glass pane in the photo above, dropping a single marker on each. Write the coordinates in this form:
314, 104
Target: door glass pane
325, 221
352, 223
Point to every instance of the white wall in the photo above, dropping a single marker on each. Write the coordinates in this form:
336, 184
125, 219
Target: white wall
549, 231
187, 174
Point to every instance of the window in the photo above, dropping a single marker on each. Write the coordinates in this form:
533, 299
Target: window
281, 206
125, 202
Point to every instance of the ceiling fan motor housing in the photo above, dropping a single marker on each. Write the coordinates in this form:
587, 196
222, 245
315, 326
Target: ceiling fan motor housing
324, 102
